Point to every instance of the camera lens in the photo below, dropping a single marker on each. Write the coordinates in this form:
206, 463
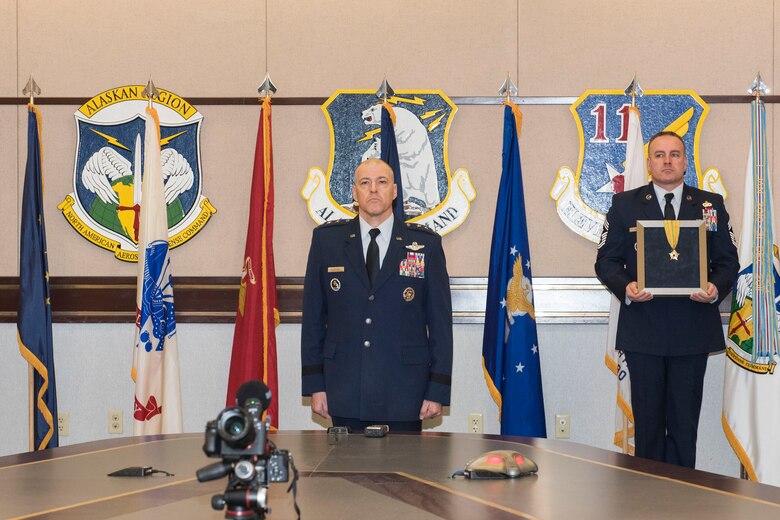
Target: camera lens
236, 428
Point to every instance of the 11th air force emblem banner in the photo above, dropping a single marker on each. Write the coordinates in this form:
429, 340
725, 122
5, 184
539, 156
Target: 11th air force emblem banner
105, 203
584, 197
432, 196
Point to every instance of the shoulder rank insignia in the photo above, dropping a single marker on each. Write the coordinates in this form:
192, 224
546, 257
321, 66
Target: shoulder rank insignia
414, 246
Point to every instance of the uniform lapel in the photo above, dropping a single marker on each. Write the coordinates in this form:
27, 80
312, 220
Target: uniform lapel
689, 205
353, 250
650, 206
392, 260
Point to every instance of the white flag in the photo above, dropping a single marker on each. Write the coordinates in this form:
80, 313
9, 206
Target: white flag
156, 354
751, 389
634, 176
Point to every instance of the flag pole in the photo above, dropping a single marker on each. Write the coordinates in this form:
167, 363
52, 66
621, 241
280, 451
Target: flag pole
267, 88
508, 89
632, 89
31, 89
757, 89
151, 92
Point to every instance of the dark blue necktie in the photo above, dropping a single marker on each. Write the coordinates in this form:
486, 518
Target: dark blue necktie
669, 209
372, 256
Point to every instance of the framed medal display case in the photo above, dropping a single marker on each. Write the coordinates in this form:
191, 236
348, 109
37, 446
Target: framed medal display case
671, 256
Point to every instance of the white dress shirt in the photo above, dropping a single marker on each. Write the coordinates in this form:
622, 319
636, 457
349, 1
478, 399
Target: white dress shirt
382, 240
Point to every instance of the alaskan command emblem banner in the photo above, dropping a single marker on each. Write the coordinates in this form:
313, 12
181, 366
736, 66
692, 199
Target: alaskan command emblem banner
432, 195
104, 204
34, 314
751, 390
582, 198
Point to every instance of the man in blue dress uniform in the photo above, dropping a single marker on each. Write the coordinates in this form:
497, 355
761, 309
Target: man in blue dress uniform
667, 340
376, 343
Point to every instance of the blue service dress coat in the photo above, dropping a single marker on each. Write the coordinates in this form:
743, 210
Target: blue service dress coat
666, 326
377, 353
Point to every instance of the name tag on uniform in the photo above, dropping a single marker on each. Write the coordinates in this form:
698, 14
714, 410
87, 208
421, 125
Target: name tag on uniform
413, 265
336, 269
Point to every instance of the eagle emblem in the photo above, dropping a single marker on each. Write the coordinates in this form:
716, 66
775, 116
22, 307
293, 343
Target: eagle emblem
519, 294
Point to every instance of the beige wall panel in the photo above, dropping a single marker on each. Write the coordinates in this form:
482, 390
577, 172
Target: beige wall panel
548, 142
713, 47
475, 144
301, 141
8, 72
725, 140
194, 48
464, 48
11, 175
227, 152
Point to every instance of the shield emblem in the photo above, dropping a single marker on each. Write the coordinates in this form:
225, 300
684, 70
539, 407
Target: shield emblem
583, 198
433, 196
105, 203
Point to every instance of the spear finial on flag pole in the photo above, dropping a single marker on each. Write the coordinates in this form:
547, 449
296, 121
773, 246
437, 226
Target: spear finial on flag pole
758, 88
31, 89
385, 91
150, 91
634, 90
267, 87
508, 89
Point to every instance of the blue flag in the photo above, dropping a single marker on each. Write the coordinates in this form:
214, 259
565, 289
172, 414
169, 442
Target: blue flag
34, 313
510, 351
389, 153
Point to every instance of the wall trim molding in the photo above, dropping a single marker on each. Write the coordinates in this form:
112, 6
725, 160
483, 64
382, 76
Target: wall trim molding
214, 299
317, 101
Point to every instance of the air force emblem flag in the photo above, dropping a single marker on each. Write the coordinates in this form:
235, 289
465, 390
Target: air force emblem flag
105, 204
583, 198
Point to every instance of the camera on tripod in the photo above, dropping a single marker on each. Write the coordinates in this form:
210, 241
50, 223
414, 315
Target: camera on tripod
250, 460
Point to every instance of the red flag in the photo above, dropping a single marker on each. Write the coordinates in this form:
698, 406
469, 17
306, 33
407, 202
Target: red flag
254, 339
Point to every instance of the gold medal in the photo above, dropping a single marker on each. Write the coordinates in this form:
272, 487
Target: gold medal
672, 229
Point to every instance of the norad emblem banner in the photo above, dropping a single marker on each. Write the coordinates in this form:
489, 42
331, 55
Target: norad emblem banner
433, 195
104, 206
583, 197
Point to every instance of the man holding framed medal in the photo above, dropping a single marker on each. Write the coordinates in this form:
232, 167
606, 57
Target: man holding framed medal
668, 254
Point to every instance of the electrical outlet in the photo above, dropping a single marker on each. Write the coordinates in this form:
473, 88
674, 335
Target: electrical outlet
63, 423
115, 421
475, 423
562, 426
